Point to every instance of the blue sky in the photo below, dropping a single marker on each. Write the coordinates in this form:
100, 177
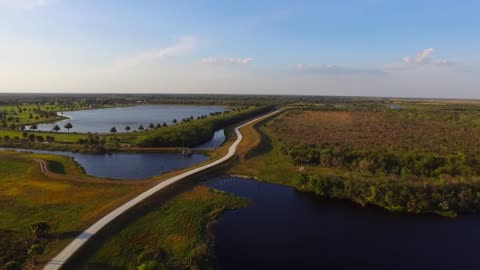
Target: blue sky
361, 48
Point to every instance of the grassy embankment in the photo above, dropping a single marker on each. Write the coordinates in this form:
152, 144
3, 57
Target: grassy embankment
27, 196
167, 233
421, 159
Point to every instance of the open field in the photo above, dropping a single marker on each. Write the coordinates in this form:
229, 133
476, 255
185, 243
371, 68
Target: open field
27, 196
386, 130
30, 113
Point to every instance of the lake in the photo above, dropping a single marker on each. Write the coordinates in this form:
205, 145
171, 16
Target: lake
102, 120
129, 166
287, 229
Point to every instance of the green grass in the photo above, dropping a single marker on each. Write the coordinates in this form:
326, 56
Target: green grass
59, 137
261, 157
27, 196
29, 113
173, 233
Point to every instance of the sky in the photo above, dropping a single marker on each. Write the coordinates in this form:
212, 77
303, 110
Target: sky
408, 48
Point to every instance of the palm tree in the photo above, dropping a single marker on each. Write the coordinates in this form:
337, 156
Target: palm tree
68, 126
140, 127
113, 130
56, 128
127, 128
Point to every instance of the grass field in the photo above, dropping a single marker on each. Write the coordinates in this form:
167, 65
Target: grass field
170, 235
26, 114
27, 196
260, 156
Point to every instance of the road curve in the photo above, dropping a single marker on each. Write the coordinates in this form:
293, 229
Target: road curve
67, 252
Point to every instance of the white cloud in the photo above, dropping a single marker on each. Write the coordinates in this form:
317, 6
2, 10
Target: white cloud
425, 57
443, 62
334, 69
231, 61
184, 45
27, 4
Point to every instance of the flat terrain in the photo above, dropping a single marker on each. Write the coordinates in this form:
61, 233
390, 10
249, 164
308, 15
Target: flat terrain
394, 130
172, 234
27, 196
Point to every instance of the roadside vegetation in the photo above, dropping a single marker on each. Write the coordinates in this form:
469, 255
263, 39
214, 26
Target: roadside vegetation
419, 158
170, 235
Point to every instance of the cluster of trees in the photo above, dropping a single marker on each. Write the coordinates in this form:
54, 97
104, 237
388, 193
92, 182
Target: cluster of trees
29, 137
93, 143
192, 133
447, 197
377, 162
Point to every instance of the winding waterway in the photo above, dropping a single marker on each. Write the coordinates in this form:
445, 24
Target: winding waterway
287, 229
129, 166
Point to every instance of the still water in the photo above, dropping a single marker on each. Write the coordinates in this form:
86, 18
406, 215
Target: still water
215, 142
128, 166
287, 229
101, 120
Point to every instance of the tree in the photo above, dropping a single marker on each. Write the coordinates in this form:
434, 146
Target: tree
24, 134
56, 128
113, 130
164, 124
31, 137
158, 125
34, 251
68, 126
40, 229
33, 127
151, 125
12, 265
127, 128
174, 121
140, 127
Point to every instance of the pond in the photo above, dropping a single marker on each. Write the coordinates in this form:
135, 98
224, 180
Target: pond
129, 166
215, 142
102, 120
287, 229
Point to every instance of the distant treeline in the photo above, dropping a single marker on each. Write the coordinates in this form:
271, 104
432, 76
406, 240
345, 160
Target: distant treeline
188, 134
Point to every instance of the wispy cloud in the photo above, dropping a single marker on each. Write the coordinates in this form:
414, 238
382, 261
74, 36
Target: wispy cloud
183, 46
334, 69
27, 4
425, 57
222, 61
